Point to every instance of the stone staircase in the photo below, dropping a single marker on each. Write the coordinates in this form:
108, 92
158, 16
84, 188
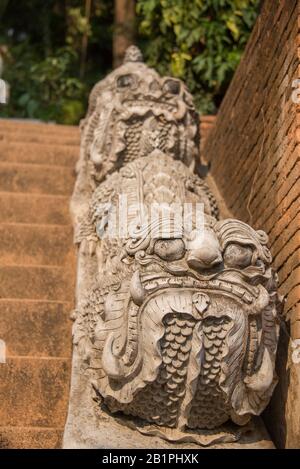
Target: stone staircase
37, 276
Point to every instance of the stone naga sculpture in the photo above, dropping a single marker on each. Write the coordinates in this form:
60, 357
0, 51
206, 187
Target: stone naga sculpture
175, 330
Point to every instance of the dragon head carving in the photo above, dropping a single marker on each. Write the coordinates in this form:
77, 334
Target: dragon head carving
185, 332
176, 322
134, 112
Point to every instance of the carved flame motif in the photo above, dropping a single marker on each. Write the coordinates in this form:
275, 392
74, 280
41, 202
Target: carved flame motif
181, 335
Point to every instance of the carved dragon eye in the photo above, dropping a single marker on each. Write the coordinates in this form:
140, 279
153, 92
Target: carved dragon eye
125, 81
237, 255
169, 249
172, 86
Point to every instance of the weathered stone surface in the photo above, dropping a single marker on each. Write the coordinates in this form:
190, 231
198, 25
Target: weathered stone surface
15, 128
33, 208
35, 282
36, 137
34, 392
292, 408
254, 150
37, 153
30, 438
36, 328
40, 179
89, 430
175, 329
25, 244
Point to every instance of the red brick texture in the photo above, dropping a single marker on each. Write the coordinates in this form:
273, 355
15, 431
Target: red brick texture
206, 125
254, 150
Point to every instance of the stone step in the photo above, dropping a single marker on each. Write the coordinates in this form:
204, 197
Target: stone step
30, 438
35, 244
37, 283
37, 137
37, 280
36, 328
19, 125
34, 392
37, 153
34, 178
32, 208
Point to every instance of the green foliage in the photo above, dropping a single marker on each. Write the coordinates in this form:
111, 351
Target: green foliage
77, 26
3, 5
46, 89
200, 41
42, 47
41, 42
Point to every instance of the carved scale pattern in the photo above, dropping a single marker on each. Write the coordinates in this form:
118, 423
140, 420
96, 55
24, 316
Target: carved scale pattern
209, 408
160, 401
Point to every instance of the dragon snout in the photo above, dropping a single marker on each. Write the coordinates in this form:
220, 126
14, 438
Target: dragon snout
205, 252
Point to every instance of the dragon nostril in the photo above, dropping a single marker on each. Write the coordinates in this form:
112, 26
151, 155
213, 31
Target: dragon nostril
201, 259
204, 250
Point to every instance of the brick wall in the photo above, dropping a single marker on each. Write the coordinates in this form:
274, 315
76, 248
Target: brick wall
253, 151
206, 125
